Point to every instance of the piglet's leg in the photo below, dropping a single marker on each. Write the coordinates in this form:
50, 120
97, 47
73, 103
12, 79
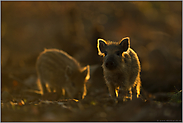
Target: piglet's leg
112, 90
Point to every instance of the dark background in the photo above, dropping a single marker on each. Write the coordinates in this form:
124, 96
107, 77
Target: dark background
154, 28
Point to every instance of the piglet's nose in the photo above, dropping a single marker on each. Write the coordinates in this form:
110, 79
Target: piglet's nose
110, 65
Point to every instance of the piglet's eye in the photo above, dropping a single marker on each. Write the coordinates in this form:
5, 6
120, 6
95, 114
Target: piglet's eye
105, 53
119, 53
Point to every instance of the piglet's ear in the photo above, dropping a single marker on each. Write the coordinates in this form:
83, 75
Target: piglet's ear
101, 44
125, 43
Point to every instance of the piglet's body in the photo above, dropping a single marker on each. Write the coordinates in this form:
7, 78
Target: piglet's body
121, 66
62, 72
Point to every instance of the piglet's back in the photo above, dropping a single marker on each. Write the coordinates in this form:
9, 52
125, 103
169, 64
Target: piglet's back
54, 61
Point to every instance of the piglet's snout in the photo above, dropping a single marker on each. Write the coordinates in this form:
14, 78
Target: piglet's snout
110, 63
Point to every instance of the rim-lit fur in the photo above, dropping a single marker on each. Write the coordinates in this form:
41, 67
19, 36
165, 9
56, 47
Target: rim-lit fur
121, 65
62, 72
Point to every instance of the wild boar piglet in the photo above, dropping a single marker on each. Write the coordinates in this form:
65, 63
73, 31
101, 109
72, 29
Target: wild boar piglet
63, 73
121, 66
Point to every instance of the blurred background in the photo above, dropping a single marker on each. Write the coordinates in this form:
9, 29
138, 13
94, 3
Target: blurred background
155, 30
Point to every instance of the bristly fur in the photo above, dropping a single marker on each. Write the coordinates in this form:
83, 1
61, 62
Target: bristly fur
121, 66
62, 72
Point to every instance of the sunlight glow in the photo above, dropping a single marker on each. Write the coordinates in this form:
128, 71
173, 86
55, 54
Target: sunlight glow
63, 91
48, 88
116, 91
130, 91
88, 73
138, 89
39, 86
